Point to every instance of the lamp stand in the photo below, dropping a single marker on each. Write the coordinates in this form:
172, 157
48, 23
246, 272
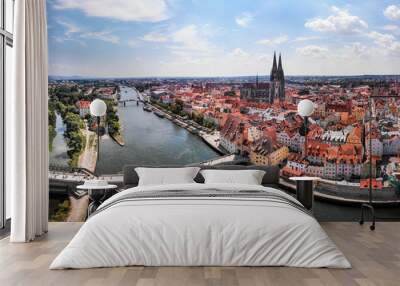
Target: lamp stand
369, 204
98, 138
305, 135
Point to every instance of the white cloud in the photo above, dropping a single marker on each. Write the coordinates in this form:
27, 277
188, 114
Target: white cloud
306, 38
210, 30
233, 63
75, 33
190, 38
133, 43
70, 31
63, 39
312, 51
274, 41
155, 37
70, 28
244, 19
387, 42
123, 10
238, 52
359, 49
392, 12
390, 27
105, 36
264, 58
341, 21
380, 39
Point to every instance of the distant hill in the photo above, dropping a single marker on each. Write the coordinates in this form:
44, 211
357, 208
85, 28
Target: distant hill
289, 78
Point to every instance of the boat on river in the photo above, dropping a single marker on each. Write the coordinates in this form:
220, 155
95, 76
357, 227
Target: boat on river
147, 108
159, 113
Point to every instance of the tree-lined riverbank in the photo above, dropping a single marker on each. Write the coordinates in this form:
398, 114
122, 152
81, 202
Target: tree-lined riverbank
63, 101
149, 140
114, 125
79, 133
209, 136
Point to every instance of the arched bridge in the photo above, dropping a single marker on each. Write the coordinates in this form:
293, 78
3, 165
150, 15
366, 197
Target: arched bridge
68, 178
124, 101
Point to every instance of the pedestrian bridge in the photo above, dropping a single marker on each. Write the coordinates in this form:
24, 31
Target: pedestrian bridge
124, 101
230, 159
74, 176
77, 177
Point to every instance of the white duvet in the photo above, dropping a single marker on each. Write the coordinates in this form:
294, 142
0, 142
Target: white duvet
193, 231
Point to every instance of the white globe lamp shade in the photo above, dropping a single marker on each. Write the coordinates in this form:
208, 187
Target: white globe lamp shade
305, 108
98, 107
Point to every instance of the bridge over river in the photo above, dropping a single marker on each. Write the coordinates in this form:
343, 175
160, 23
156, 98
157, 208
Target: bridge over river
139, 98
124, 101
64, 180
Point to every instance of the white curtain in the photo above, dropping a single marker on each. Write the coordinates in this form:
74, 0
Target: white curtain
26, 120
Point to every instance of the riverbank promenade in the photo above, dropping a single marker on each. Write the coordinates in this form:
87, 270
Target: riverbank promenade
88, 158
212, 138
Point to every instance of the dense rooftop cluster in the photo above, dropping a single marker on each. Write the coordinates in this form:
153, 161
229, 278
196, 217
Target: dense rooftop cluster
268, 132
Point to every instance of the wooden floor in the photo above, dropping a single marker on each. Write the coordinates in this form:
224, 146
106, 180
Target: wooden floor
375, 257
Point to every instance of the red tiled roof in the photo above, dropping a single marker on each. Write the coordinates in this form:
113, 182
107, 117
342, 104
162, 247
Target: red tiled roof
83, 104
291, 172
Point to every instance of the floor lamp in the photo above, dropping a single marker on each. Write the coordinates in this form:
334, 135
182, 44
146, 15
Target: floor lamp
98, 109
369, 205
305, 108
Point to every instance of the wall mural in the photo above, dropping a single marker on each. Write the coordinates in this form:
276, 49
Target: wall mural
184, 85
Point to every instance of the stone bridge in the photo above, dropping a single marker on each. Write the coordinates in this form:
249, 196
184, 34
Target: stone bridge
66, 179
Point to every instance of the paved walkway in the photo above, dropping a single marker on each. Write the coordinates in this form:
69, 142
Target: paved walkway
78, 209
88, 157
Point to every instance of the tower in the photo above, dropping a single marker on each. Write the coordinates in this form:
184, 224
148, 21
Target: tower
257, 82
281, 79
255, 90
277, 81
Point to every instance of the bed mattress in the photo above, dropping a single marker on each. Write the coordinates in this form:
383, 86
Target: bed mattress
201, 225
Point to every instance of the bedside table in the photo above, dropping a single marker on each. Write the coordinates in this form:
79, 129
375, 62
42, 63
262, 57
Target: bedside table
97, 191
305, 190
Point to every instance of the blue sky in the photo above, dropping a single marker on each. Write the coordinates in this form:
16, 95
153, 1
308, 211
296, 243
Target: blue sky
122, 38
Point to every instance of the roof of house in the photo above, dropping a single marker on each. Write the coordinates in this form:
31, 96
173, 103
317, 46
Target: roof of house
265, 146
231, 128
83, 104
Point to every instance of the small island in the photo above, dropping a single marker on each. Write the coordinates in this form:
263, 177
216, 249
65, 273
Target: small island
72, 103
114, 124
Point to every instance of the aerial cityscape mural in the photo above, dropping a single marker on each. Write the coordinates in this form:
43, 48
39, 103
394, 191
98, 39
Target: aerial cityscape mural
189, 82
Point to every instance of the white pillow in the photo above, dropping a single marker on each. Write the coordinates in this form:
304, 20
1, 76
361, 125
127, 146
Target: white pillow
247, 177
166, 176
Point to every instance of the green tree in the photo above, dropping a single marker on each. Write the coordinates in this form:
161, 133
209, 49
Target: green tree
229, 93
52, 118
198, 117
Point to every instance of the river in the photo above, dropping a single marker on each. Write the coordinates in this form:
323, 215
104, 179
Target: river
58, 156
149, 140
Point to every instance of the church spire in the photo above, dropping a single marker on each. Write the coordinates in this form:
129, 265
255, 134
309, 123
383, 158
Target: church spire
277, 81
274, 68
280, 68
257, 81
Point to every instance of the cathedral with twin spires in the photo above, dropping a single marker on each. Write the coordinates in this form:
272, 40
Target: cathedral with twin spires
277, 81
271, 91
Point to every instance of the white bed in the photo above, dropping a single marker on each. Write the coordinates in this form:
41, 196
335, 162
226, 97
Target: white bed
185, 230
